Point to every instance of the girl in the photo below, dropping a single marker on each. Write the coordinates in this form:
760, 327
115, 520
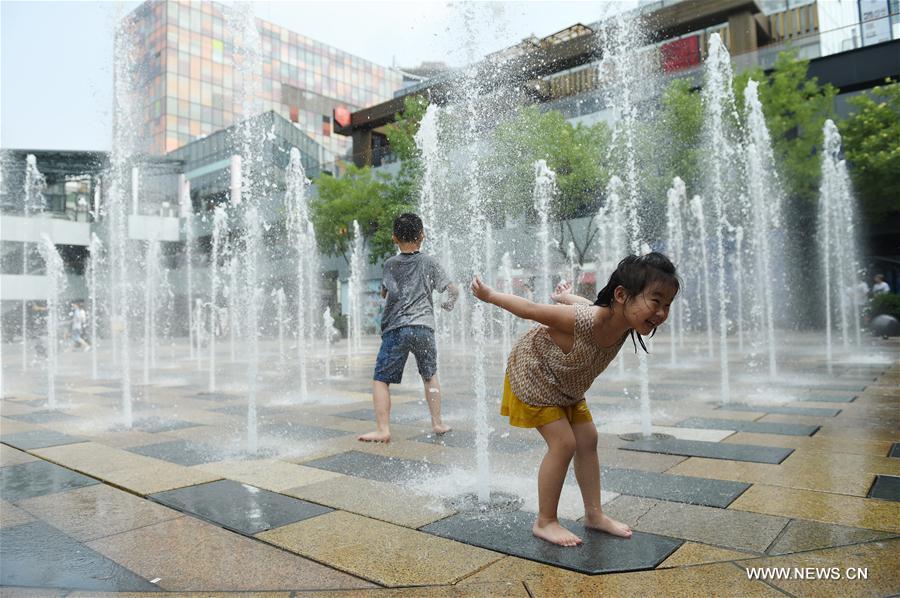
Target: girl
552, 366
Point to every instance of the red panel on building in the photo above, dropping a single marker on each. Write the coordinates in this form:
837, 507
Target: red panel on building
342, 116
295, 114
680, 53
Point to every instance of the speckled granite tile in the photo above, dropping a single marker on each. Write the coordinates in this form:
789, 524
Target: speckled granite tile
13, 456
859, 446
721, 527
820, 506
96, 511
404, 557
11, 426
692, 553
501, 589
11, 515
34, 439
270, 474
378, 500
629, 509
803, 459
820, 478
156, 477
801, 535
188, 554
718, 579
881, 559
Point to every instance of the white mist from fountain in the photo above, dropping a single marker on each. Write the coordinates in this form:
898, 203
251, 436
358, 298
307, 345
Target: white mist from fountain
56, 284
701, 241
280, 301
220, 224
34, 203
151, 285
506, 278
572, 263
544, 192
328, 333
676, 198
739, 283
611, 240
95, 263
718, 104
253, 244
354, 284
302, 236
838, 243
186, 211
766, 198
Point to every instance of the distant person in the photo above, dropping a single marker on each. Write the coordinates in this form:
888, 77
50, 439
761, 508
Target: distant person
79, 318
880, 287
407, 324
552, 366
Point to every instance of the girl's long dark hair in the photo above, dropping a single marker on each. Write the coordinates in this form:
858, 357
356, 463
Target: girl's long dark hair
635, 274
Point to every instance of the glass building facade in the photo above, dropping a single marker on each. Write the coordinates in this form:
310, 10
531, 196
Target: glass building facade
186, 58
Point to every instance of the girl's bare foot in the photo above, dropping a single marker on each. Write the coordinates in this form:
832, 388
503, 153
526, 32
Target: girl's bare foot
554, 533
605, 524
375, 436
440, 428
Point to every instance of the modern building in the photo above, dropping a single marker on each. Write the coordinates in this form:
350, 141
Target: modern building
852, 44
186, 52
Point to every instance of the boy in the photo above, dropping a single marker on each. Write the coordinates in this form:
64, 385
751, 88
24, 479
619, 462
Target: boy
408, 324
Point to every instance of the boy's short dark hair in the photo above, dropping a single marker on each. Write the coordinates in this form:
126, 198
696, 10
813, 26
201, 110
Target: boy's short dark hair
408, 228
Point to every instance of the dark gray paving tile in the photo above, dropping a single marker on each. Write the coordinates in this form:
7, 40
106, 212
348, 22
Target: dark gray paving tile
813, 411
710, 450
886, 487
40, 556
37, 478
673, 488
745, 426
801, 535
895, 450
215, 396
158, 424
33, 439
241, 410
286, 429
377, 467
398, 415
466, 439
239, 507
510, 533
41, 417
827, 398
181, 452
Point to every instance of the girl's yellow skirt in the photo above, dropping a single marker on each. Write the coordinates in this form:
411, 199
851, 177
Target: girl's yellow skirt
523, 415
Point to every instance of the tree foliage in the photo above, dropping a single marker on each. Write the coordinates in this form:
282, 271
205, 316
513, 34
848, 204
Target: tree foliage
871, 139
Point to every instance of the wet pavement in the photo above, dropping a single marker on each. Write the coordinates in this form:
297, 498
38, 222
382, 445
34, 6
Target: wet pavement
797, 471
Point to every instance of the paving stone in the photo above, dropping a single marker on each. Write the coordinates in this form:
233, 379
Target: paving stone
827, 398
510, 533
377, 467
878, 558
466, 439
824, 507
398, 415
13, 456
216, 396
745, 426
181, 452
886, 487
895, 450
801, 535
96, 511
387, 554
628, 509
812, 411
300, 431
190, 555
38, 555
239, 507
38, 439
378, 500
675, 488
722, 527
693, 553
269, 474
158, 424
37, 478
11, 515
43, 417
711, 450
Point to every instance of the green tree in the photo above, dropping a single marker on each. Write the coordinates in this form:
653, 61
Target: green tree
574, 153
871, 139
682, 119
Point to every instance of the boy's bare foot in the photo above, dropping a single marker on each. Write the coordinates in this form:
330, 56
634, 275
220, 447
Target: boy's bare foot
605, 524
554, 533
440, 428
375, 436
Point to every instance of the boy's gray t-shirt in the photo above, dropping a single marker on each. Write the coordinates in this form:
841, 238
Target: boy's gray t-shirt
409, 279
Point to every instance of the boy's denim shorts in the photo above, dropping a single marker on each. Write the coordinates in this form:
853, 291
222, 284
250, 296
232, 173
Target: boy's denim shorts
396, 345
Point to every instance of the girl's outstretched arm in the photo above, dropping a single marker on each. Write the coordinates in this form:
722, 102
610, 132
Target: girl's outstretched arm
560, 317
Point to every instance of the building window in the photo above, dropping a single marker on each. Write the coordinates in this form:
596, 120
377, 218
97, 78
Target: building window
326, 126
